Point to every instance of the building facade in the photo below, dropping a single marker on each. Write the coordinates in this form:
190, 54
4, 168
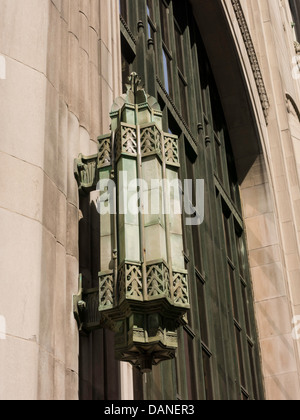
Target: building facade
225, 75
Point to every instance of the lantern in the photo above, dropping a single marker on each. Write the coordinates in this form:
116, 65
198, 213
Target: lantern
143, 293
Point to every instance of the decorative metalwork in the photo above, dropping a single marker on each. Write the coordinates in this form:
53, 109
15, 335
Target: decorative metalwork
106, 290
126, 141
104, 157
171, 150
151, 141
130, 282
180, 286
158, 280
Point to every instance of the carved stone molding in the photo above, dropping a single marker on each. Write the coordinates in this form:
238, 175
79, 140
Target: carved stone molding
292, 107
85, 170
252, 56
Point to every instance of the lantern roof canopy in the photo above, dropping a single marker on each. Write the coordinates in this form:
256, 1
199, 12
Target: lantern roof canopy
135, 106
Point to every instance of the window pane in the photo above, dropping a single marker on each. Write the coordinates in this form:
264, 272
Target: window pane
197, 248
150, 15
246, 309
227, 234
167, 73
231, 169
218, 159
253, 371
150, 9
183, 100
123, 8
240, 356
190, 367
150, 31
233, 292
202, 312
125, 70
179, 50
164, 12
207, 375
241, 253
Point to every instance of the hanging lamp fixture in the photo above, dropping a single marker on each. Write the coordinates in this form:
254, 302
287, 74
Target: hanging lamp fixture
143, 293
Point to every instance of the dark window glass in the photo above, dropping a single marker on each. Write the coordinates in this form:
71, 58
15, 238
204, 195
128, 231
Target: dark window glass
179, 49
167, 72
207, 375
183, 100
218, 158
150, 12
233, 291
232, 176
127, 60
227, 233
253, 370
246, 308
150, 31
295, 9
241, 251
125, 70
197, 248
138, 385
150, 15
202, 312
190, 367
191, 196
164, 14
240, 355
123, 8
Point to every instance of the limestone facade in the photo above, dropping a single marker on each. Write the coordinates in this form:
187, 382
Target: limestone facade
62, 61
270, 193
